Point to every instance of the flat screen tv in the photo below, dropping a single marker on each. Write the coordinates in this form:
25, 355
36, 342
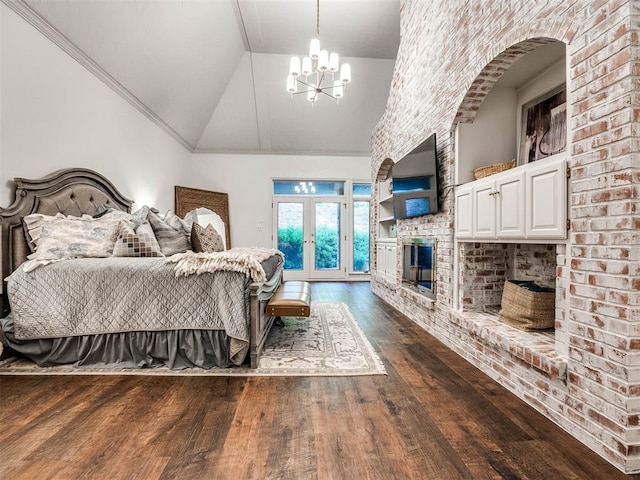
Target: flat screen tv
415, 181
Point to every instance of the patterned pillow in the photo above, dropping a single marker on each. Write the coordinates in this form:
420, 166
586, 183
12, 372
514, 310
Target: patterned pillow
171, 241
141, 243
62, 237
206, 239
27, 237
177, 223
136, 218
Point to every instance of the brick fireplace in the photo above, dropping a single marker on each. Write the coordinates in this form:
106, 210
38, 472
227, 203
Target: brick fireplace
585, 374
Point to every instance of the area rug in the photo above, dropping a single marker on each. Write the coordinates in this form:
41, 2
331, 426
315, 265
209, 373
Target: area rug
328, 343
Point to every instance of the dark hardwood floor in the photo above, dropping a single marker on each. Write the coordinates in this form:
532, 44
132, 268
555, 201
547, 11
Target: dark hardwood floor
434, 416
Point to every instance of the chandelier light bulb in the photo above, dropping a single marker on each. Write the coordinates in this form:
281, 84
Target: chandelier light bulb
323, 61
294, 66
345, 73
292, 86
307, 66
334, 62
338, 89
314, 48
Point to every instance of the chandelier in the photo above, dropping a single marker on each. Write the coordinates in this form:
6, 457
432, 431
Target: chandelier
316, 73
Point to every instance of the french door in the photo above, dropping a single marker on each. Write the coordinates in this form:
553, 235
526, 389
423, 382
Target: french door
310, 231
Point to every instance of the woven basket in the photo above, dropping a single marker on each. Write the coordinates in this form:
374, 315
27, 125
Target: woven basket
527, 309
491, 169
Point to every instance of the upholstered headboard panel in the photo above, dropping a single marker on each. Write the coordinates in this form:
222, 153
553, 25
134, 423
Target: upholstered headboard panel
73, 191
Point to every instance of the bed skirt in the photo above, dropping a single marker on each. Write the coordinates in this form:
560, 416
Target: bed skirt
175, 349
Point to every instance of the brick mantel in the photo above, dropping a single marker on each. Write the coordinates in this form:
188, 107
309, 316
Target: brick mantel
450, 56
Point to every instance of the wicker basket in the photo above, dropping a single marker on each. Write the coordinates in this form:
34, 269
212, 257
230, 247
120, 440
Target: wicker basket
491, 169
527, 306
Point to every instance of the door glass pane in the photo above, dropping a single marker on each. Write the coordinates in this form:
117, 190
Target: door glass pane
361, 236
327, 236
290, 233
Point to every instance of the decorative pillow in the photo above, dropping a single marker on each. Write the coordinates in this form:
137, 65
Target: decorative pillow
206, 239
177, 223
61, 237
27, 236
140, 243
102, 210
33, 224
136, 218
204, 217
171, 241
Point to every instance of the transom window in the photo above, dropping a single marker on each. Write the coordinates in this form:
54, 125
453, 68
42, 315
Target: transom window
304, 187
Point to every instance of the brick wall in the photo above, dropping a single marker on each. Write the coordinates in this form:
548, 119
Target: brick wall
451, 53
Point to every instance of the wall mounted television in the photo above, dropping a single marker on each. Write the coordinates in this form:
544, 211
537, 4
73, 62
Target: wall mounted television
415, 181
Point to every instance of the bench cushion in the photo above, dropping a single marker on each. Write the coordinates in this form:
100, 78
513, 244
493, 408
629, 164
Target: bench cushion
292, 299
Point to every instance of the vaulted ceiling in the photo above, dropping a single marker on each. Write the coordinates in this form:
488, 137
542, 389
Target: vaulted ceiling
213, 72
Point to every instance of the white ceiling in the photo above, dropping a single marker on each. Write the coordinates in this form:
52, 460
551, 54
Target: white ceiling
214, 71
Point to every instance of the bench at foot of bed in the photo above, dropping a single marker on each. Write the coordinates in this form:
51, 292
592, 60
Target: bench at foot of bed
292, 299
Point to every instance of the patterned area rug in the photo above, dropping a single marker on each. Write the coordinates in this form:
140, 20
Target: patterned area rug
328, 343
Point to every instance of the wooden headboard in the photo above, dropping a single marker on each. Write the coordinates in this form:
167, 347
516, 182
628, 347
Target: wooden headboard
187, 199
73, 191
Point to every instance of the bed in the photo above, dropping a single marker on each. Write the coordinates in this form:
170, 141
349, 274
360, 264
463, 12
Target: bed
122, 311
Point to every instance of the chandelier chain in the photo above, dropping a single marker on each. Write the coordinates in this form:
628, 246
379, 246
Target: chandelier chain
318, 18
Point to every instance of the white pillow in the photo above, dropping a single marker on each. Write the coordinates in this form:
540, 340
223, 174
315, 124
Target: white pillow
62, 237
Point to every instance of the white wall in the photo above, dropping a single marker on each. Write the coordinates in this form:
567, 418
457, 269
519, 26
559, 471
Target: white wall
56, 114
248, 181
491, 138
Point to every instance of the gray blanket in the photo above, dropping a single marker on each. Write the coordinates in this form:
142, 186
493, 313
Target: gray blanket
107, 295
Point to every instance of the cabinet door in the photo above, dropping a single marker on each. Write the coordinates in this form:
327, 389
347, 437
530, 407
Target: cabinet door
381, 256
484, 210
391, 260
464, 213
510, 203
546, 187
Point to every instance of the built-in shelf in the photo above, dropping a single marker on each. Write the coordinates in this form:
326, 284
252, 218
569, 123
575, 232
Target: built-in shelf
386, 219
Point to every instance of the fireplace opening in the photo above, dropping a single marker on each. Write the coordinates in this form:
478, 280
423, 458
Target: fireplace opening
419, 265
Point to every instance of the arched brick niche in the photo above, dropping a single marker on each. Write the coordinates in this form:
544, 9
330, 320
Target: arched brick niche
383, 169
488, 131
490, 74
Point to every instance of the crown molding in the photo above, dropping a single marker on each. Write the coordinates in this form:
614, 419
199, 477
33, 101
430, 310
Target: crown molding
40, 24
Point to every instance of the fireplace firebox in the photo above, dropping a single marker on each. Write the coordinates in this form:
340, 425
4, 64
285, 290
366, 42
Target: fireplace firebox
419, 265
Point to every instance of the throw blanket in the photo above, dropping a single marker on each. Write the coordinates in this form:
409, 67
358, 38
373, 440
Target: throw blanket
108, 295
242, 260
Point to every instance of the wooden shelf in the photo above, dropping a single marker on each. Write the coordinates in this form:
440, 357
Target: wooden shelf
386, 199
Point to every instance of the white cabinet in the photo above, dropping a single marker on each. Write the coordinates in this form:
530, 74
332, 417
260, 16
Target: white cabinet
525, 203
546, 188
464, 213
386, 253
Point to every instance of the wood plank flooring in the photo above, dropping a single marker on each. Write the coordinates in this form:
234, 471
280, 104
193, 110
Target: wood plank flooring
434, 416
